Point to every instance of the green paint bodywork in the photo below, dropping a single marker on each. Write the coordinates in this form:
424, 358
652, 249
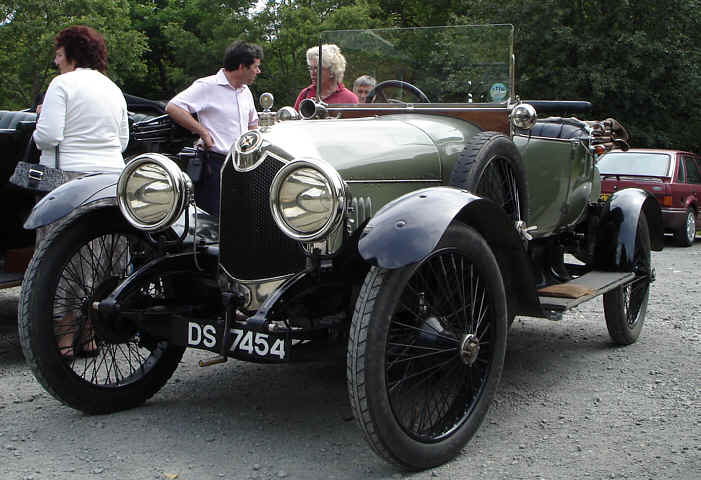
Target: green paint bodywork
560, 186
380, 158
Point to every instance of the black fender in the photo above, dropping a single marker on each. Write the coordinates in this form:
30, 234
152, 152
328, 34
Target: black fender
616, 235
100, 191
407, 229
63, 200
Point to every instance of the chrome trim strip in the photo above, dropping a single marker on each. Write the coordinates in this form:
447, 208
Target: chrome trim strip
565, 140
258, 290
396, 181
256, 164
269, 279
416, 107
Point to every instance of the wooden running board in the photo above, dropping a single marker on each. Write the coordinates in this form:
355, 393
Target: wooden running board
560, 298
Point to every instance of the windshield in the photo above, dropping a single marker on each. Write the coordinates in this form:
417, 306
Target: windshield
634, 163
459, 64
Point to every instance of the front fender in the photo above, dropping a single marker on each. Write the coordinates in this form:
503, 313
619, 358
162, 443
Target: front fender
615, 243
63, 200
407, 229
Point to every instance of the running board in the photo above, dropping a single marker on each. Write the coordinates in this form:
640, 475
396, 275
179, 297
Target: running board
9, 280
584, 288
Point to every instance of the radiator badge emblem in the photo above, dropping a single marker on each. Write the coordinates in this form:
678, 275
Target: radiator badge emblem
249, 142
247, 147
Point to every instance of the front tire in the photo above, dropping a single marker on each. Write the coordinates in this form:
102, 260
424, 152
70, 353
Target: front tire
625, 307
687, 231
111, 366
426, 351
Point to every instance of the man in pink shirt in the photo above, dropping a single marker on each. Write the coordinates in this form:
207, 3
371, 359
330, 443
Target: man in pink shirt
225, 109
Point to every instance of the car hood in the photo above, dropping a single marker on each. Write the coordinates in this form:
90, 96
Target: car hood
392, 147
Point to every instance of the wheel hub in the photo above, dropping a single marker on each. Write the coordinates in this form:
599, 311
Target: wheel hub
469, 349
109, 328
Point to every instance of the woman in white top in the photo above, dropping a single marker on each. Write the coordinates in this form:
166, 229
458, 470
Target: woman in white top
84, 113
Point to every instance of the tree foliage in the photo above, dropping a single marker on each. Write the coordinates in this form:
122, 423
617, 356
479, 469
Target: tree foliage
639, 62
27, 34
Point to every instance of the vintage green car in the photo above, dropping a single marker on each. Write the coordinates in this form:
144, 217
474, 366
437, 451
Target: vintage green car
408, 232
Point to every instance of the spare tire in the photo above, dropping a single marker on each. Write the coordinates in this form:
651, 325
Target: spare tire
490, 166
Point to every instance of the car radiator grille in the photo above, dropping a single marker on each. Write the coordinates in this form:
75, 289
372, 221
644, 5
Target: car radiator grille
252, 247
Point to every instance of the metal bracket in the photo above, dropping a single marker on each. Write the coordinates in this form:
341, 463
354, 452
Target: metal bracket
523, 230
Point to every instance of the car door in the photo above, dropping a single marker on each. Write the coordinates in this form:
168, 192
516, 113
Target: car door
685, 194
559, 181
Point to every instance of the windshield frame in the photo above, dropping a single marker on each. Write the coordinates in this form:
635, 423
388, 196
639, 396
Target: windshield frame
493, 45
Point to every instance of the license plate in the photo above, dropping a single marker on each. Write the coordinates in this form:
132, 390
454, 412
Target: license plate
259, 346
246, 344
604, 196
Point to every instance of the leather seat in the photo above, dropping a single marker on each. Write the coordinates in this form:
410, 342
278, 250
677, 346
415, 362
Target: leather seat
10, 119
556, 127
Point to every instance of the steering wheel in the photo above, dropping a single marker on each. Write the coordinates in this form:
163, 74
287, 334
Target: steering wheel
377, 94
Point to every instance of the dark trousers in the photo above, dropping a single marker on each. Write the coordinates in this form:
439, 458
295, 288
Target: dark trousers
208, 189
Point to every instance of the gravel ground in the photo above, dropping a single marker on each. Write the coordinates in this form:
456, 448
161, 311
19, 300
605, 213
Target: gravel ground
570, 405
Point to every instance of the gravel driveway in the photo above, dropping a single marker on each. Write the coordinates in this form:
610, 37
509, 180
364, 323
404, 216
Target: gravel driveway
570, 405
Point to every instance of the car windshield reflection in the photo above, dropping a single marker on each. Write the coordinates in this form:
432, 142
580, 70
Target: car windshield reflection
462, 64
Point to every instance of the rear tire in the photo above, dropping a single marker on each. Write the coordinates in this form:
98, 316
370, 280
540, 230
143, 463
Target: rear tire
426, 351
626, 306
81, 261
687, 231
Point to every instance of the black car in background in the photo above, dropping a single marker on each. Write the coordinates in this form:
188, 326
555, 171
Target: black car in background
150, 131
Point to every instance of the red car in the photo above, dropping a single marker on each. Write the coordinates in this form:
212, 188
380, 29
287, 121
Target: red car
672, 176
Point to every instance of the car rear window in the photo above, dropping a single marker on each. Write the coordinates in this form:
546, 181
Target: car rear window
634, 163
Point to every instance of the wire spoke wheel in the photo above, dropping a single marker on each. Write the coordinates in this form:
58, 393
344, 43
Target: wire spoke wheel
94, 363
498, 183
625, 307
426, 350
98, 352
438, 350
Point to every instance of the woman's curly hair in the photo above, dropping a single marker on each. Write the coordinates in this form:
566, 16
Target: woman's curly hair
83, 45
331, 59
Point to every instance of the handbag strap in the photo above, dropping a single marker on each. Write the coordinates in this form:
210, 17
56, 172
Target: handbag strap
57, 167
29, 152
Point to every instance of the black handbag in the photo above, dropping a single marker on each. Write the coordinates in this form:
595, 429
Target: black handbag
37, 177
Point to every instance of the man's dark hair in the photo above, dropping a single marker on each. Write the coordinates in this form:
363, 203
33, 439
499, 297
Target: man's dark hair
241, 53
84, 46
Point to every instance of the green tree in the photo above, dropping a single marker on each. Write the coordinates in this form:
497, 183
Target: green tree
27, 33
635, 61
288, 28
187, 40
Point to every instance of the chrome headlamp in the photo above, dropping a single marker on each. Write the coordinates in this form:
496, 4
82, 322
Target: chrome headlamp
524, 116
307, 199
152, 192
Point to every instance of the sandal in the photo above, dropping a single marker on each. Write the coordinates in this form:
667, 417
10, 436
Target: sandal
73, 339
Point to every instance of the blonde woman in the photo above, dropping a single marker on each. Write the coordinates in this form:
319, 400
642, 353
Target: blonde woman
330, 76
